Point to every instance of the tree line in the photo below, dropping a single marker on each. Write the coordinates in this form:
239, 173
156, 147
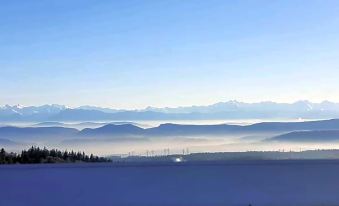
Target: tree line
38, 155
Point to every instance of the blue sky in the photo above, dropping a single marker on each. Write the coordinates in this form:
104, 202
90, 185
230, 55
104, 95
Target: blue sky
133, 54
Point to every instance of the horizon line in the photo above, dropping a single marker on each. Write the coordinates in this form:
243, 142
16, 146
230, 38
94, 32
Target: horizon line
168, 107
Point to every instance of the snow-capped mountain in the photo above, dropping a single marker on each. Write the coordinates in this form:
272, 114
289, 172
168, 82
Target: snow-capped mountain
222, 110
30, 110
22, 113
235, 106
102, 109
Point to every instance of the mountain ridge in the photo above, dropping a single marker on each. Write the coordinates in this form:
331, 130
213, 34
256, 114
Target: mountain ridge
222, 110
308, 136
168, 129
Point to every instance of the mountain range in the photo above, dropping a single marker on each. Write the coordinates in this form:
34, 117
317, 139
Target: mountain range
211, 130
308, 136
280, 131
221, 110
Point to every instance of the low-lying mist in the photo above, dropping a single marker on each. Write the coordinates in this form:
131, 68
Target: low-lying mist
174, 145
162, 140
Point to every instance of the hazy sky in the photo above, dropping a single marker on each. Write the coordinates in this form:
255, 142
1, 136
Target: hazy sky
132, 54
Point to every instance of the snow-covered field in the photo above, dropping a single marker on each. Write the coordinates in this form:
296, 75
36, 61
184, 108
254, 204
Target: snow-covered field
219, 184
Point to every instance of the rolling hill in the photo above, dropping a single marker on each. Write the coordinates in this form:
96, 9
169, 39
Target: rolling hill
121, 130
36, 132
308, 136
221, 129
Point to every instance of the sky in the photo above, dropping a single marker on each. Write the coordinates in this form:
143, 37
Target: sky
138, 53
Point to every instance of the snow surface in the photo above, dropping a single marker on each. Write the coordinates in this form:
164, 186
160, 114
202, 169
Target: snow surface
302, 182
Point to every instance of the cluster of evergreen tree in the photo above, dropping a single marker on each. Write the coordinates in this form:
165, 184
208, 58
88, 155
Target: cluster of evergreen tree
38, 155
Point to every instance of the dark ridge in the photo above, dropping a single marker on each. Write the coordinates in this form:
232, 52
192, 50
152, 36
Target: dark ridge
308, 136
111, 129
46, 132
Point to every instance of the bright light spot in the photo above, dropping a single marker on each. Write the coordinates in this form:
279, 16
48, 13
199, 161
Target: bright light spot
178, 159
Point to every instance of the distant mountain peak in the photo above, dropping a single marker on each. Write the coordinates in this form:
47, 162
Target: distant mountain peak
232, 109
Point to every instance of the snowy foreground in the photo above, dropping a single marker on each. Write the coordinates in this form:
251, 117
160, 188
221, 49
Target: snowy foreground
305, 182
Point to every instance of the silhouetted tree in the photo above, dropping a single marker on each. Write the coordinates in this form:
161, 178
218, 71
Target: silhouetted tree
37, 155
